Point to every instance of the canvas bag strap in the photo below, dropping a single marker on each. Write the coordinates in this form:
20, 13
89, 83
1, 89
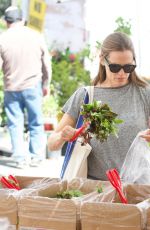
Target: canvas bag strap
87, 99
90, 90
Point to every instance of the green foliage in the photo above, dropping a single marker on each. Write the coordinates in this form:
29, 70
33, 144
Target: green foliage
6, 3
98, 45
68, 194
50, 106
2, 111
102, 120
2, 25
3, 6
123, 26
68, 73
50, 103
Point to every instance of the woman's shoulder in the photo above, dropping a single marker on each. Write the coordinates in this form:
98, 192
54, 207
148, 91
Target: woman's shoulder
146, 89
77, 97
81, 91
145, 94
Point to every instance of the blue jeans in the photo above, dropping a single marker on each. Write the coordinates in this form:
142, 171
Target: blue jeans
15, 103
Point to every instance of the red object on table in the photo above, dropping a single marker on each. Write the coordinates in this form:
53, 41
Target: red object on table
48, 127
115, 180
10, 182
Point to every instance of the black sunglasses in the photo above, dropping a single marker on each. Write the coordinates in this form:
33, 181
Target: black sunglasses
115, 68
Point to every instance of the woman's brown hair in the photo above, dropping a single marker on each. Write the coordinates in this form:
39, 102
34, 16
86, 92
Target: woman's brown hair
117, 41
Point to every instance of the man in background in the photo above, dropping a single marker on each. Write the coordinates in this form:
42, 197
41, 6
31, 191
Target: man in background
26, 66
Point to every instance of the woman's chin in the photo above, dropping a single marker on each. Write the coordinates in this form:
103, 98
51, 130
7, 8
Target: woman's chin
121, 81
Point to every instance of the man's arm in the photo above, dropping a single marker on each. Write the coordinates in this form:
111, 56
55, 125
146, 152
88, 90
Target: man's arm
46, 68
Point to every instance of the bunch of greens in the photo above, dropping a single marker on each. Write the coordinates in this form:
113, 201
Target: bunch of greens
99, 189
102, 120
68, 194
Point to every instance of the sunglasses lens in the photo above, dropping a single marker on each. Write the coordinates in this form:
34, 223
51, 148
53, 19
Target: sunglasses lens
129, 68
115, 68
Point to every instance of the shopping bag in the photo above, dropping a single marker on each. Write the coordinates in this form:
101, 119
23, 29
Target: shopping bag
136, 166
75, 161
77, 165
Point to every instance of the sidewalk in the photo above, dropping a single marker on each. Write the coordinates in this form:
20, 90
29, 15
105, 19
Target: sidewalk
49, 168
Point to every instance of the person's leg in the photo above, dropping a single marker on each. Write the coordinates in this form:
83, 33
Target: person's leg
37, 139
15, 121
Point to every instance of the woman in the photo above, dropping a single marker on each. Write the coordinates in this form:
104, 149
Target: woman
118, 85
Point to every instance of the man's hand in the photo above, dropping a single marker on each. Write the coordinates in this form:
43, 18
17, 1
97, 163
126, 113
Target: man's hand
45, 92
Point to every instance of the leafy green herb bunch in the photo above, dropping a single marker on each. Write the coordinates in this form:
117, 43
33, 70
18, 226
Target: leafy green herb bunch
68, 194
103, 121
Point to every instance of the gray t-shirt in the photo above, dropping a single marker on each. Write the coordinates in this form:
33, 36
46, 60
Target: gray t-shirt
132, 104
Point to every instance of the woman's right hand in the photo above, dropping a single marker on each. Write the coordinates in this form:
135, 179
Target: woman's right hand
67, 133
63, 132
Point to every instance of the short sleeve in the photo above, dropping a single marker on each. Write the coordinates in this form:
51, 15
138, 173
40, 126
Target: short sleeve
73, 104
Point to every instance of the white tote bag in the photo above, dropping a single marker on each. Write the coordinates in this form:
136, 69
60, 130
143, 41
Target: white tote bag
77, 165
75, 162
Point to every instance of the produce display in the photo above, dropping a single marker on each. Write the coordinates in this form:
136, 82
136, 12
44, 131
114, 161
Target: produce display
68, 194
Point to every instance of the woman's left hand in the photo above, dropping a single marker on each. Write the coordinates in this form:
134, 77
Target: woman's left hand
146, 135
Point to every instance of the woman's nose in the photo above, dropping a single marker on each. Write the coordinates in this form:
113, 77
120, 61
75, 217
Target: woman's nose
121, 71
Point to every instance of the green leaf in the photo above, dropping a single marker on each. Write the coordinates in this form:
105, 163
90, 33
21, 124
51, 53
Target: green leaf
118, 121
99, 189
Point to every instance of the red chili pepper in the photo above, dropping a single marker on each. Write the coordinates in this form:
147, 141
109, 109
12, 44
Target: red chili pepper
115, 180
15, 181
11, 182
5, 182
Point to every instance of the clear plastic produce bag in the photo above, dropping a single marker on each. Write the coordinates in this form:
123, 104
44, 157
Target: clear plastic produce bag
4, 224
136, 167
